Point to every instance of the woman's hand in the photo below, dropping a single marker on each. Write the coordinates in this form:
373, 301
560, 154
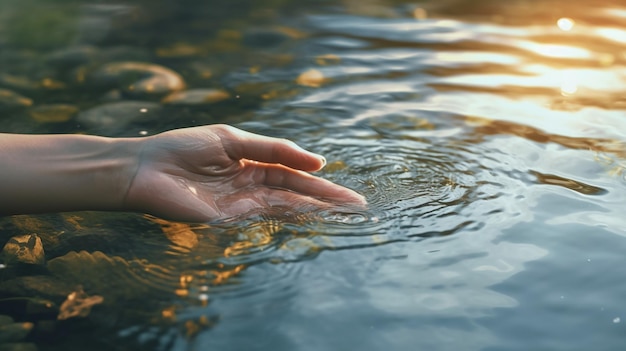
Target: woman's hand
217, 171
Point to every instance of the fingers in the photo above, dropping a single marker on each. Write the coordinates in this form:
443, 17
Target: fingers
263, 199
307, 184
240, 144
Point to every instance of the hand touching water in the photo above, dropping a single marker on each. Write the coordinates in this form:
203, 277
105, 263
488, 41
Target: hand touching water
217, 171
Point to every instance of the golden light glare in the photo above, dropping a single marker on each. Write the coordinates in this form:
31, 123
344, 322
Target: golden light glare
569, 88
557, 51
614, 34
565, 24
569, 82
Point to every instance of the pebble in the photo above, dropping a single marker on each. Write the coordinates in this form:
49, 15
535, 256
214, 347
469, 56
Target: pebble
311, 78
14, 332
48, 227
268, 37
18, 83
114, 117
44, 286
18, 346
11, 333
97, 21
113, 278
55, 113
72, 56
196, 97
4, 319
24, 249
138, 78
124, 54
259, 38
10, 100
179, 50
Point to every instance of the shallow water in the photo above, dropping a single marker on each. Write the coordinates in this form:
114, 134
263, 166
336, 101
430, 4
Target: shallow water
488, 137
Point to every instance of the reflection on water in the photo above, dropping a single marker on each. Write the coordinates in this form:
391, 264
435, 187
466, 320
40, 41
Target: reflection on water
487, 136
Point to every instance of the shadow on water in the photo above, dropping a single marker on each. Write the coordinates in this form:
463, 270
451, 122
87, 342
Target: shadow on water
488, 138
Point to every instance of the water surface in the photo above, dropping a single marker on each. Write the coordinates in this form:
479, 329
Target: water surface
487, 136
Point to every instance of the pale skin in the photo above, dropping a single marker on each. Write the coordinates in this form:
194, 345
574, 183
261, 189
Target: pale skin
195, 174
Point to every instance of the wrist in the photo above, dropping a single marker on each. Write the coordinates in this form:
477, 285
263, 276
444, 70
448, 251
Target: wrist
55, 173
114, 169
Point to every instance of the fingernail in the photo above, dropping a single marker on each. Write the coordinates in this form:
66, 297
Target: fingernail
323, 161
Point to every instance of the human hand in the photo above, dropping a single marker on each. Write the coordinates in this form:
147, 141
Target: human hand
217, 171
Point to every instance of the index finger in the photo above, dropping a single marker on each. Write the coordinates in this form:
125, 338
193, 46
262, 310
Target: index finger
240, 144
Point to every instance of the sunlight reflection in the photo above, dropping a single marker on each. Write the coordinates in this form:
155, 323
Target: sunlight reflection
473, 57
569, 84
538, 78
608, 80
613, 34
616, 12
565, 24
554, 50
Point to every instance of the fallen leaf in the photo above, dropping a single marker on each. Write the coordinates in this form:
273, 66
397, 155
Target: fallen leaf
78, 304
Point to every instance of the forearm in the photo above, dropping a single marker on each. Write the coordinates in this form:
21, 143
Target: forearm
54, 173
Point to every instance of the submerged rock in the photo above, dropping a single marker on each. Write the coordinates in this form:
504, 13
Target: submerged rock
14, 332
24, 249
18, 83
43, 286
55, 113
4, 319
196, 97
261, 38
72, 56
98, 21
268, 37
112, 277
48, 227
18, 346
114, 117
10, 100
138, 78
124, 54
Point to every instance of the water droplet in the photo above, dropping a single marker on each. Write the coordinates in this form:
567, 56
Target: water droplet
143, 110
616, 320
143, 132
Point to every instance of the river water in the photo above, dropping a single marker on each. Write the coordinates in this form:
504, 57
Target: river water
489, 138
